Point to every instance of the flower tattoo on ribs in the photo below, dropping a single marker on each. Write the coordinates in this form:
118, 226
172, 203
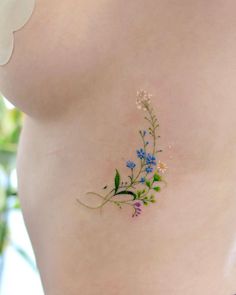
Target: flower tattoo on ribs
145, 174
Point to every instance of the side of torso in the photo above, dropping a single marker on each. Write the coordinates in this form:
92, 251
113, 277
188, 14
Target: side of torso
78, 83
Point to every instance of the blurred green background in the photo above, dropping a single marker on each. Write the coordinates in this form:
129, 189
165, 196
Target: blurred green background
10, 126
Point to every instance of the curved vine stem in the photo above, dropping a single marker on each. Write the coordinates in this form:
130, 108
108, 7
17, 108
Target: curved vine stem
106, 201
145, 168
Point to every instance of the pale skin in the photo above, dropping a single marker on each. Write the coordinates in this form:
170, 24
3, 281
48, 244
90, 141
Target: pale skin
75, 72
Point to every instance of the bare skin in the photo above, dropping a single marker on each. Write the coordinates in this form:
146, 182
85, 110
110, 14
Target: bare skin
75, 72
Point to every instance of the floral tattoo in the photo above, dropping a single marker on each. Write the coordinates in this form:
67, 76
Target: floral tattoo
145, 174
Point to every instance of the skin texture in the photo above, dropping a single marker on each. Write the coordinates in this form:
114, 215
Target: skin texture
75, 72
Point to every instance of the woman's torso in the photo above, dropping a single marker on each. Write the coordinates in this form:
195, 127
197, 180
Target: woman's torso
75, 72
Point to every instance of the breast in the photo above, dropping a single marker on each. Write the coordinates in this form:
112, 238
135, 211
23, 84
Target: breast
57, 54
69, 51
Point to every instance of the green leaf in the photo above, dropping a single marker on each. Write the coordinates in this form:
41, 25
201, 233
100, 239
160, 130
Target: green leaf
139, 194
117, 181
3, 236
127, 193
157, 188
24, 255
16, 205
156, 177
148, 183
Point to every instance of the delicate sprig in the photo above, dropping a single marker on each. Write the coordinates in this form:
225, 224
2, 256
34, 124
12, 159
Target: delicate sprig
144, 178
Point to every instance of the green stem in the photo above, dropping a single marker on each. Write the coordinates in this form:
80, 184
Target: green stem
153, 129
106, 200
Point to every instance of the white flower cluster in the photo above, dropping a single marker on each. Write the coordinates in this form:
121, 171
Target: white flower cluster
143, 99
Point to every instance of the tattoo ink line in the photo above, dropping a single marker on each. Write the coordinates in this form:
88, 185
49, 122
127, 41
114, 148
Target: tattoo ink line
144, 179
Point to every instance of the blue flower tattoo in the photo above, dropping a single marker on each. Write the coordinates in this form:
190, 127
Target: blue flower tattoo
141, 153
144, 180
130, 164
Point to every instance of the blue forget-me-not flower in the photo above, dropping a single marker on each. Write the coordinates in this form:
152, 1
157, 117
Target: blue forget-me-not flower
142, 179
130, 164
150, 159
149, 169
141, 153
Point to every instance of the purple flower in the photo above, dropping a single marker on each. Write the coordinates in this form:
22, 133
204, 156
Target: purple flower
150, 159
130, 164
137, 204
149, 169
137, 209
141, 154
